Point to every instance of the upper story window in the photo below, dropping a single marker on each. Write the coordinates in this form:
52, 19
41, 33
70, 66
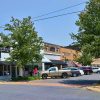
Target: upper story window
66, 54
52, 49
5, 49
57, 50
46, 48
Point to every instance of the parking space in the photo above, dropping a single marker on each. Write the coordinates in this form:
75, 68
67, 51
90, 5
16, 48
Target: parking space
80, 80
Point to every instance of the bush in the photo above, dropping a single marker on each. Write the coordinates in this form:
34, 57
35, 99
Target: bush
28, 78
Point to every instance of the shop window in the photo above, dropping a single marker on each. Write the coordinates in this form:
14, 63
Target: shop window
66, 54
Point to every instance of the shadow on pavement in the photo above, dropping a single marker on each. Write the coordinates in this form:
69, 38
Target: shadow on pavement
80, 82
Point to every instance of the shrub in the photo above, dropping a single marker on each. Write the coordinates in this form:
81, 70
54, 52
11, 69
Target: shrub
26, 78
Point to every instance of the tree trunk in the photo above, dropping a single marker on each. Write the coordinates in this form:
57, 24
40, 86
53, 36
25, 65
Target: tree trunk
21, 73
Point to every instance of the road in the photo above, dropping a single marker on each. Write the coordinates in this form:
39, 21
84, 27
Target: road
32, 92
19, 92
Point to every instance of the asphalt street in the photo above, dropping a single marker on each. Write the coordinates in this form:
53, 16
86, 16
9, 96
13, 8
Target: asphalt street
32, 92
19, 92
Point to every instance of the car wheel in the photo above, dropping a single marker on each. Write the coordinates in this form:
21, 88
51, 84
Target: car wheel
64, 75
44, 76
88, 73
98, 72
74, 75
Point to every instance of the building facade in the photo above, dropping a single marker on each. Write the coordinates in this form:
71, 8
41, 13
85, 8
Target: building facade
58, 55
7, 69
52, 55
52, 52
68, 54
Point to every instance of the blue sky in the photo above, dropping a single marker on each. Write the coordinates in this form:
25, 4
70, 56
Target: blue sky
54, 30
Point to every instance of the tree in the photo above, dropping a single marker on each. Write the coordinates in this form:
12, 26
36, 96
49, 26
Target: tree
88, 36
25, 42
4, 40
85, 59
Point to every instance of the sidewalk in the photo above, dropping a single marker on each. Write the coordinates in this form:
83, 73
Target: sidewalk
94, 88
39, 84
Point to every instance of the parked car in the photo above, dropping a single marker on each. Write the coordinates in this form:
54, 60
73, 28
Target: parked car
54, 72
98, 70
87, 70
75, 71
95, 69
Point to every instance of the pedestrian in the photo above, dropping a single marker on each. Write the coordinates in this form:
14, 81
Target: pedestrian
35, 71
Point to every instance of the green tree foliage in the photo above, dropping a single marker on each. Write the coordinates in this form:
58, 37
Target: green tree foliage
4, 42
85, 59
25, 42
88, 36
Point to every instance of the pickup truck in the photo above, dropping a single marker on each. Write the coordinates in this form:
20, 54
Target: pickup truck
54, 72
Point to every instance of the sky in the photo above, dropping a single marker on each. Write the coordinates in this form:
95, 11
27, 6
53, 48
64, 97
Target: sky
56, 30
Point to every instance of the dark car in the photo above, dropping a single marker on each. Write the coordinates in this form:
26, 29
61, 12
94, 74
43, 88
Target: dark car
75, 71
87, 70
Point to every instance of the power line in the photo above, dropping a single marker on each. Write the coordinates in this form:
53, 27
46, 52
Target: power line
58, 10
56, 16
51, 17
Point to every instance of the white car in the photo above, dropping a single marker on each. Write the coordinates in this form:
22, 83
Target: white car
75, 70
96, 69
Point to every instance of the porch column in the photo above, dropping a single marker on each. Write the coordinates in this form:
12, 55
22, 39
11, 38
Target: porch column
16, 71
10, 70
60, 66
43, 66
3, 70
7, 68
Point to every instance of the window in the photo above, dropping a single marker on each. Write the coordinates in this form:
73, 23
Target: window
52, 69
52, 49
46, 48
74, 69
66, 54
5, 49
57, 49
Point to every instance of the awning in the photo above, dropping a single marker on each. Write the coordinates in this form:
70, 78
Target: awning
45, 60
60, 62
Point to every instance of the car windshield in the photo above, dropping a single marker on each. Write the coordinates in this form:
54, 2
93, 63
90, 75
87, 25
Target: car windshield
95, 68
73, 68
85, 68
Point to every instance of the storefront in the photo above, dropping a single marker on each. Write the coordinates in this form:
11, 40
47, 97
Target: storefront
7, 70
